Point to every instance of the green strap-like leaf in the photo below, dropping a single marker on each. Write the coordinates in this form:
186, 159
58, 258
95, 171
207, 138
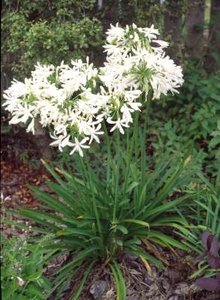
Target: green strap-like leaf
83, 280
135, 221
167, 240
119, 280
154, 212
52, 202
134, 249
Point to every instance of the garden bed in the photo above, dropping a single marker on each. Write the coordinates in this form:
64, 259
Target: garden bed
143, 282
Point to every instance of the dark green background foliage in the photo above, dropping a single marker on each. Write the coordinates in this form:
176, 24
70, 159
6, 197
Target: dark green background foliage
48, 32
191, 122
52, 31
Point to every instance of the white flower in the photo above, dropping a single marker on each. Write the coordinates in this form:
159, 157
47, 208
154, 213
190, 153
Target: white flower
31, 127
22, 114
115, 33
161, 45
60, 129
90, 104
76, 76
126, 114
79, 145
166, 77
149, 32
16, 90
49, 112
21, 282
94, 133
42, 72
118, 124
58, 141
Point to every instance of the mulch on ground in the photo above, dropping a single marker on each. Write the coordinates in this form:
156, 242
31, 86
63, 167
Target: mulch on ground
15, 179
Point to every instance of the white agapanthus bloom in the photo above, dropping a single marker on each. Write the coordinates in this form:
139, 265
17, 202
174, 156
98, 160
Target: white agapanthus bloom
137, 53
79, 145
60, 98
74, 100
42, 72
75, 77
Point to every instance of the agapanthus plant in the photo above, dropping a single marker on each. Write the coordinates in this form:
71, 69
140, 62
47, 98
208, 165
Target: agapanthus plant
74, 101
98, 216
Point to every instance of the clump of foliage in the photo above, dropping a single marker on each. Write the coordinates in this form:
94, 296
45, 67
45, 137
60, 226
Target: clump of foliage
98, 220
22, 268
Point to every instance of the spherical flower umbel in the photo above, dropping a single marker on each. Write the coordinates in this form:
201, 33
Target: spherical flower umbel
138, 54
74, 100
59, 98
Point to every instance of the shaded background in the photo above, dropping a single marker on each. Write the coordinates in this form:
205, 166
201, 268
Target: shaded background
51, 31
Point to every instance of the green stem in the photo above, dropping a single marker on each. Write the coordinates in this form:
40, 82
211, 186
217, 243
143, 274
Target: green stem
144, 140
116, 174
136, 144
136, 151
129, 149
109, 156
94, 204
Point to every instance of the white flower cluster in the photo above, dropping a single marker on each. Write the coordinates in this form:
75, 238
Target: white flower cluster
73, 101
138, 54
